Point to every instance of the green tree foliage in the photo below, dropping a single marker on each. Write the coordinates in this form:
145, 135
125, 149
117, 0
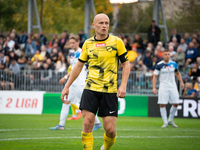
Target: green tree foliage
132, 18
187, 19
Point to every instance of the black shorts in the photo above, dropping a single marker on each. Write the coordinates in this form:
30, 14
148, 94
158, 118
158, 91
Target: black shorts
105, 103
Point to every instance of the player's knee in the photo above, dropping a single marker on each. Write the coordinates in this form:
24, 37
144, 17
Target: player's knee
87, 126
175, 105
110, 130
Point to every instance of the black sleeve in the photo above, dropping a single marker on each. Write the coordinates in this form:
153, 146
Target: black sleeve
123, 58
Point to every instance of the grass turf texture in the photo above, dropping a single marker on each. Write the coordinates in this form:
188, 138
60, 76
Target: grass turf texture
133, 133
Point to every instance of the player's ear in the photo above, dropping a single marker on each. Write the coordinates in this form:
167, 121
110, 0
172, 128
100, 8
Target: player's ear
93, 25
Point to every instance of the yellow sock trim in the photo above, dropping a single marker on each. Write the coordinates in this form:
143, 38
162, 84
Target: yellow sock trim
87, 140
75, 106
73, 109
108, 142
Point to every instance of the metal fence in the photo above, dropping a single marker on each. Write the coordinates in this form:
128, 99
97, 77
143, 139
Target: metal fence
139, 83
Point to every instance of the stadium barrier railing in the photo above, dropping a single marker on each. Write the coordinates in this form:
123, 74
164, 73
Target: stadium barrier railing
139, 83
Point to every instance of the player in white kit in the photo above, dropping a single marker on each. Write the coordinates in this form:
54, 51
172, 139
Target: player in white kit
168, 91
77, 87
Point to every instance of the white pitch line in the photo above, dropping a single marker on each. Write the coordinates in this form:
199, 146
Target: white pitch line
77, 137
131, 129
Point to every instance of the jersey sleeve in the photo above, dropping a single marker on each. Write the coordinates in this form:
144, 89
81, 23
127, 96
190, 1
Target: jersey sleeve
121, 50
157, 70
176, 67
84, 56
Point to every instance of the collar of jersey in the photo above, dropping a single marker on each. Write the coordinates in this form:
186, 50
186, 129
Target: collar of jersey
101, 40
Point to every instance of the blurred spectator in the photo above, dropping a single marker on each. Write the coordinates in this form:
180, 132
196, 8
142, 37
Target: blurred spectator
172, 52
161, 45
139, 42
187, 38
154, 33
44, 39
194, 73
38, 45
148, 59
51, 64
12, 55
2, 59
158, 52
13, 37
150, 45
38, 39
66, 49
189, 90
6, 80
195, 35
29, 65
7, 63
23, 37
30, 48
198, 62
7, 34
179, 58
1, 41
44, 53
14, 67
16, 38
127, 44
196, 44
191, 54
141, 70
46, 74
82, 37
54, 37
10, 42
61, 64
32, 35
176, 35
183, 45
22, 59
54, 55
62, 40
154, 62
37, 57
66, 35
175, 43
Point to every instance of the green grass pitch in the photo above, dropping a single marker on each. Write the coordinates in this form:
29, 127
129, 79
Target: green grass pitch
32, 132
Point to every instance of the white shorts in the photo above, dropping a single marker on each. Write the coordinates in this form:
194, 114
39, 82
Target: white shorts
75, 93
166, 96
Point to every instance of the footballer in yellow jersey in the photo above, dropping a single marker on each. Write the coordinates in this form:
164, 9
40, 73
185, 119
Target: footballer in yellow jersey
103, 59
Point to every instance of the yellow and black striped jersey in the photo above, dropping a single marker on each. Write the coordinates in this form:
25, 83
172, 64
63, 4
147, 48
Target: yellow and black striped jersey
103, 60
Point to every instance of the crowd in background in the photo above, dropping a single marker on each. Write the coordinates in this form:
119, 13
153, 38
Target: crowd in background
33, 51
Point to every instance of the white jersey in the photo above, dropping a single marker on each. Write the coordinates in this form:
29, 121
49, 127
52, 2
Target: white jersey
167, 74
80, 80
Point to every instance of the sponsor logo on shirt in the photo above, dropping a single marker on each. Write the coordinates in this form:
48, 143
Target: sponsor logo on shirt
100, 44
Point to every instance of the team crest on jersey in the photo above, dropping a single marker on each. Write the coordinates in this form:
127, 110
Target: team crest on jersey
109, 48
100, 44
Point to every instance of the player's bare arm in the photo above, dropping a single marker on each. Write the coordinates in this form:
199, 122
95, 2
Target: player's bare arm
178, 75
125, 74
154, 84
74, 74
62, 80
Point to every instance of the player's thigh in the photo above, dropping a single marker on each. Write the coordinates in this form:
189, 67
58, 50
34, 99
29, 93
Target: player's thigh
174, 96
163, 96
90, 101
76, 93
108, 105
